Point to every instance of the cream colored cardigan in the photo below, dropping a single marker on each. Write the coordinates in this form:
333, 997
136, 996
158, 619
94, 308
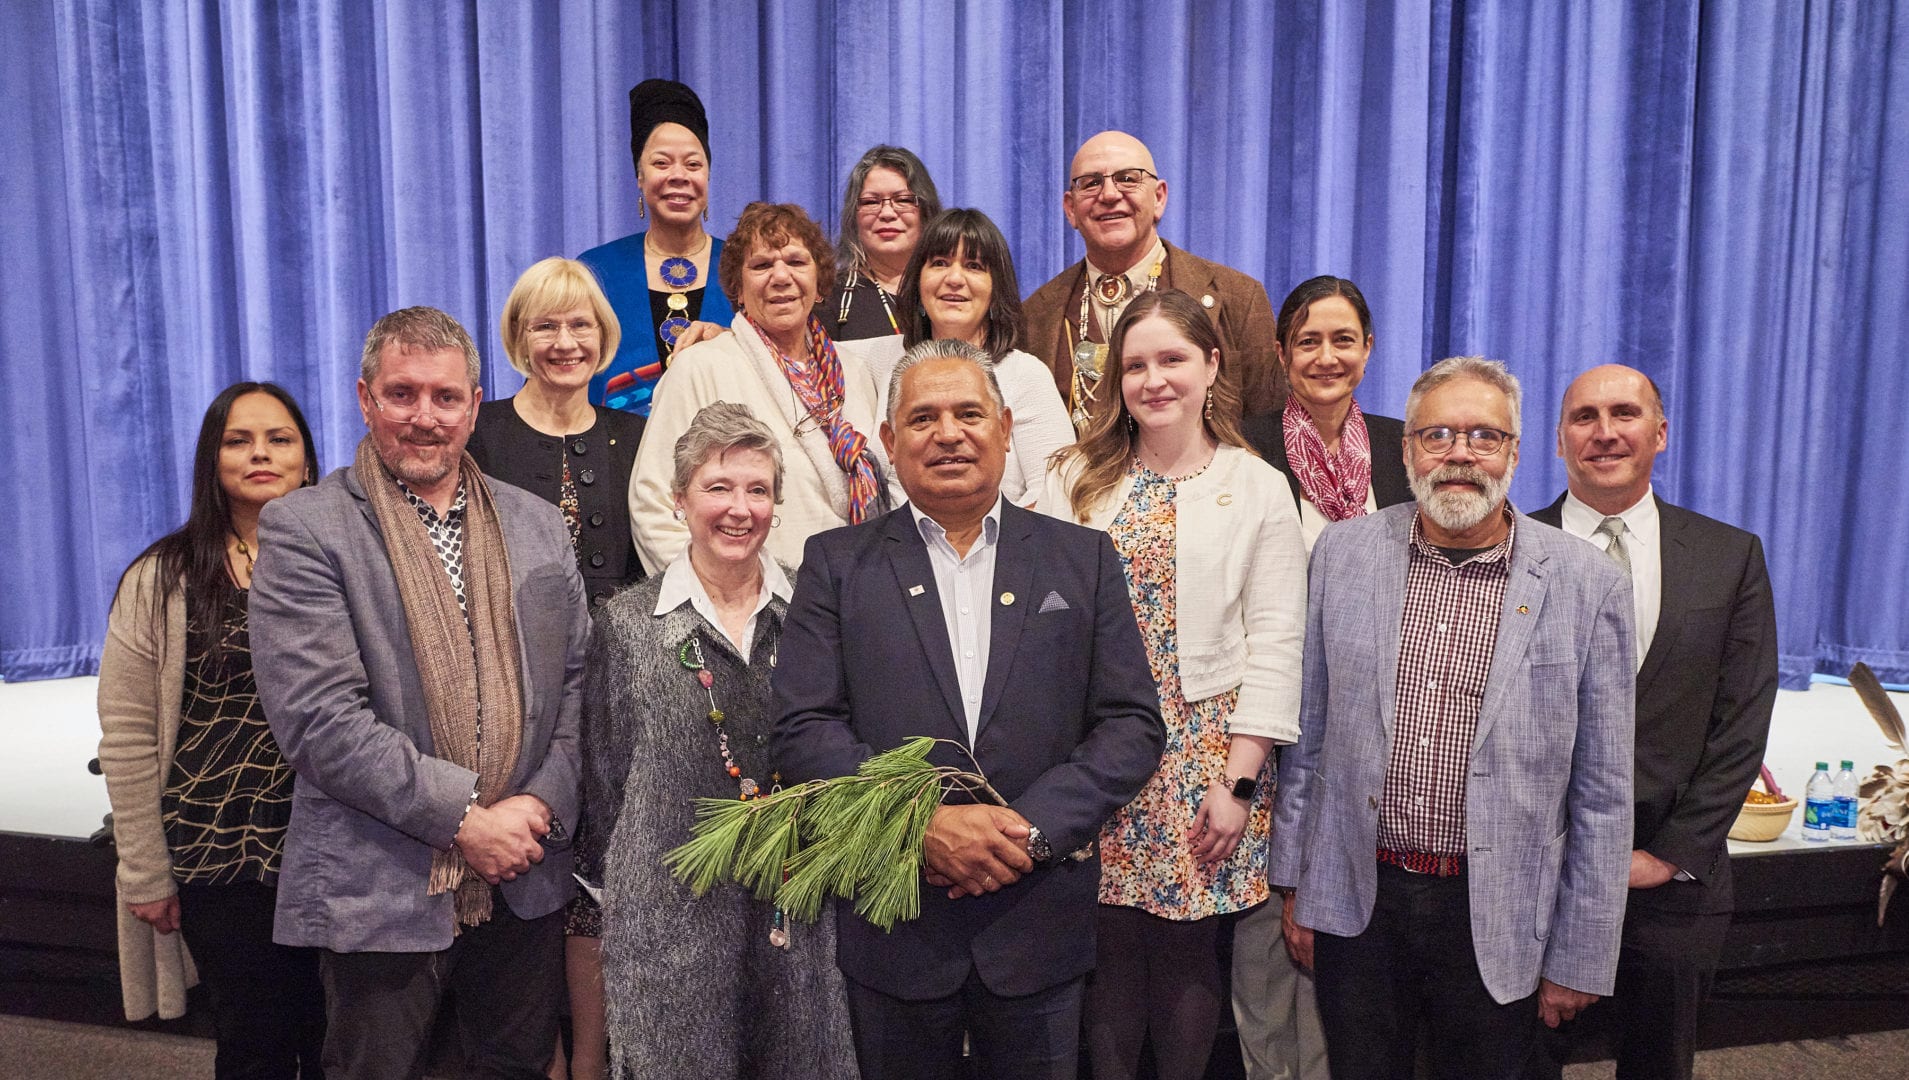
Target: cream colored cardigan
142, 673
1240, 584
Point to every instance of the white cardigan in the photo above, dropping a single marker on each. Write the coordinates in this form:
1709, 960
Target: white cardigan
1041, 425
1239, 580
737, 367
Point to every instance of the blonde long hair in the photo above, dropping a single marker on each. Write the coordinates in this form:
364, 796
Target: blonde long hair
1106, 451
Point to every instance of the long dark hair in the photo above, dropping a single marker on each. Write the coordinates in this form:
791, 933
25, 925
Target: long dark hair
1292, 313
946, 235
193, 555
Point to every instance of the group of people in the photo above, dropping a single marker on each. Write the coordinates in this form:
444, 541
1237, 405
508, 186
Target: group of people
1238, 658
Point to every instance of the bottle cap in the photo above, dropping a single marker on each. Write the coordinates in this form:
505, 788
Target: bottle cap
1822, 766
1850, 765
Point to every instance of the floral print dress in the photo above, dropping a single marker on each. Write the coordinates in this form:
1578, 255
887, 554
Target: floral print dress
1146, 851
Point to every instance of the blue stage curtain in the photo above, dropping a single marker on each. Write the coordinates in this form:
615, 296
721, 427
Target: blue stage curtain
199, 192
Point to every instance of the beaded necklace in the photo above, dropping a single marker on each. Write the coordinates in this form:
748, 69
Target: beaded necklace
690, 655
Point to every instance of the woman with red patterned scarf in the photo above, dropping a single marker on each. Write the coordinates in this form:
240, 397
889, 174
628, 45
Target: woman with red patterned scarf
1341, 462
815, 394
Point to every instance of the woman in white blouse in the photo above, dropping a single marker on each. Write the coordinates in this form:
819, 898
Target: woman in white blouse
1209, 539
960, 284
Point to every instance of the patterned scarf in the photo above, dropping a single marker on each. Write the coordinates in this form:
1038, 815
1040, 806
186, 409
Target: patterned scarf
1335, 484
464, 667
817, 382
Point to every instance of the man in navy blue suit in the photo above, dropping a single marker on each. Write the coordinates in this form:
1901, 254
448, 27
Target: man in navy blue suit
1010, 635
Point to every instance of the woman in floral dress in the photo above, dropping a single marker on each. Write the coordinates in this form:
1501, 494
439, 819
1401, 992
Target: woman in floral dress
1217, 572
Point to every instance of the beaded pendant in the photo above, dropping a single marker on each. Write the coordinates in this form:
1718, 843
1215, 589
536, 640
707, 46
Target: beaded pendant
678, 272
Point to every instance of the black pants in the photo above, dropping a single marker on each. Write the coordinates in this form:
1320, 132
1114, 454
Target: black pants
1159, 982
1664, 973
268, 1008
504, 977
1415, 963
1036, 1037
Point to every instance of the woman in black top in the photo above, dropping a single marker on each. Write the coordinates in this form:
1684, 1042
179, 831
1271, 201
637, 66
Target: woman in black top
201, 795
558, 332
888, 198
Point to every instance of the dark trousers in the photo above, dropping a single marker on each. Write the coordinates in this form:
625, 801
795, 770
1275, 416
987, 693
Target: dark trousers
1159, 982
268, 1008
1036, 1037
504, 977
1664, 973
1415, 963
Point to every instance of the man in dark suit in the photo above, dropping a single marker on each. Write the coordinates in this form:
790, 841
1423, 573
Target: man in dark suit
1114, 197
1010, 635
1706, 629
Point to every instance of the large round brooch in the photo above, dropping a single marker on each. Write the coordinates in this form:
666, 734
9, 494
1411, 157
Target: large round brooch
672, 328
678, 272
1113, 289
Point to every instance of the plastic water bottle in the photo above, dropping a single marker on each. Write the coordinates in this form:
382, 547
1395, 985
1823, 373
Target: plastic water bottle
1819, 804
1844, 827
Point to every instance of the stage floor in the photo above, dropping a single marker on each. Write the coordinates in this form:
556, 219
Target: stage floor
50, 729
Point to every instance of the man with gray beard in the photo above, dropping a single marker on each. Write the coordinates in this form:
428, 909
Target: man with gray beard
1454, 824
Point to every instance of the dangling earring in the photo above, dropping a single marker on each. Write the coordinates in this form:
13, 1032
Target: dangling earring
1209, 403
1133, 428
642, 204
705, 213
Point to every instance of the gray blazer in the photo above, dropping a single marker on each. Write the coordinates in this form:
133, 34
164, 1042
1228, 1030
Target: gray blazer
342, 693
1548, 798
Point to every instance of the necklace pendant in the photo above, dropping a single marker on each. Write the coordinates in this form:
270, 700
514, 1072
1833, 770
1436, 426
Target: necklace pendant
672, 328
749, 788
678, 272
677, 302
779, 928
1090, 358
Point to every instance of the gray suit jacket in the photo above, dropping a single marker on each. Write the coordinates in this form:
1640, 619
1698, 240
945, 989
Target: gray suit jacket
1548, 798
342, 693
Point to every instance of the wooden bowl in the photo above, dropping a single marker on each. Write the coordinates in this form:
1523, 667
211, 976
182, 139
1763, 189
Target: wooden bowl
1762, 821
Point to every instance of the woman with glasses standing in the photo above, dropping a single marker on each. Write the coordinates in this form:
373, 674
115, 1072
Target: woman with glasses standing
559, 332
658, 280
888, 197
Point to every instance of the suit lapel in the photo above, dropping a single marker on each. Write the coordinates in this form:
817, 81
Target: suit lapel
1013, 576
1517, 620
908, 558
1388, 613
1675, 558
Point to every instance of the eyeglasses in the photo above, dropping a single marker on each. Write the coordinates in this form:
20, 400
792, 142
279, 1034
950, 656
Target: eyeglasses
402, 406
1126, 181
551, 329
905, 203
1484, 441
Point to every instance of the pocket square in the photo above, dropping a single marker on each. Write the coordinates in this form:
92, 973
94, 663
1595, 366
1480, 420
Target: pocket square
1053, 603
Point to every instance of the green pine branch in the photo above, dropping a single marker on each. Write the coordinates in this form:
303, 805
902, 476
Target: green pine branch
854, 837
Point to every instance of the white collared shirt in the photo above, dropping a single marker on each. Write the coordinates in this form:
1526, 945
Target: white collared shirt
1642, 533
680, 583
966, 586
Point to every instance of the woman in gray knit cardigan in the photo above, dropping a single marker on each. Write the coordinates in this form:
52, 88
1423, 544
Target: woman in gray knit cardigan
676, 707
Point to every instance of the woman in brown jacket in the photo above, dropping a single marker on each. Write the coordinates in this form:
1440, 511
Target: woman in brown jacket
200, 793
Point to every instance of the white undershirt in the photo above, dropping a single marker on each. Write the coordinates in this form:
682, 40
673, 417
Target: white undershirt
1642, 536
1312, 522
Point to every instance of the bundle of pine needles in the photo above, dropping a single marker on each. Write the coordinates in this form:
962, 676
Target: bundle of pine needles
854, 837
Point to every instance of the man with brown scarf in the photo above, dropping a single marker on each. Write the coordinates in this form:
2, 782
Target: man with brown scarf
419, 633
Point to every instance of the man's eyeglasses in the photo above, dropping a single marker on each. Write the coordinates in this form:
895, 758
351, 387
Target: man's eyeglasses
1484, 441
402, 406
551, 329
1126, 181
905, 203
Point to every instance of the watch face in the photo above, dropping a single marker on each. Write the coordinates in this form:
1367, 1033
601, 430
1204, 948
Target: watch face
1244, 787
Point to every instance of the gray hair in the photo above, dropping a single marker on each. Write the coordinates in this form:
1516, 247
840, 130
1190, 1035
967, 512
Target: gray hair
848, 245
717, 429
418, 328
1490, 372
944, 349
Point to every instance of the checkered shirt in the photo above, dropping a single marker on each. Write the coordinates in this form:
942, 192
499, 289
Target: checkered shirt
1446, 640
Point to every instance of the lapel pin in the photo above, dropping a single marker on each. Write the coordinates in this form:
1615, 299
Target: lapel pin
1206, 301
1523, 610
1007, 598
915, 590
1226, 498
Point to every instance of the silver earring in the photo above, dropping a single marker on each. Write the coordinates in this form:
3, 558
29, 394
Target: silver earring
679, 515
775, 521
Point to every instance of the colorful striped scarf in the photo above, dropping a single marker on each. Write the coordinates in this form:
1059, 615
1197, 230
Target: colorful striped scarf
817, 382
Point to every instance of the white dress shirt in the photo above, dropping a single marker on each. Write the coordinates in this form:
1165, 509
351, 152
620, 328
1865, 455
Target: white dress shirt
1642, 531
965, 584
681, 583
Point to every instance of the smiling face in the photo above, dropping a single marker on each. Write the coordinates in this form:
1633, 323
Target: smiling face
1164, 377
1610, 431
1460, 489
779, 290
1326, 359
888, 229
674, 175
1118, 227
261, 453
564, 347
420, 411
955, 292
948, 440
729, 505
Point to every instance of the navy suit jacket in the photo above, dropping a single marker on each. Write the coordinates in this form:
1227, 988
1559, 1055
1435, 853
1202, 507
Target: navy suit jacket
1069, 732
1704, 697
